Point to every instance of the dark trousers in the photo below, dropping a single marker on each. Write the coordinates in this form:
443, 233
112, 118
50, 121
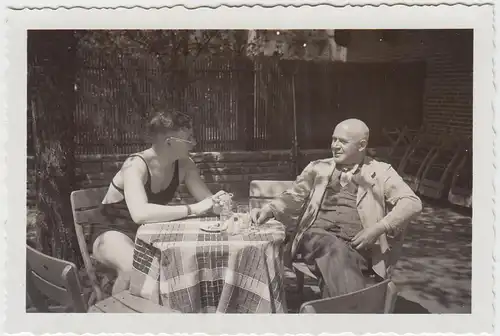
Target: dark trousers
340, 265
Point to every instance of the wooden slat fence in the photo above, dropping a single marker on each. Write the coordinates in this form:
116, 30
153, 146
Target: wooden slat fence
238, 103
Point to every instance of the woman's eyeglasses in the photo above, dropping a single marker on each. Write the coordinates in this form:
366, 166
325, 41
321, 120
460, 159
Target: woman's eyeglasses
181, 140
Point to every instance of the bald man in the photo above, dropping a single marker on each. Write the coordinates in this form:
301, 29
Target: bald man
341, 209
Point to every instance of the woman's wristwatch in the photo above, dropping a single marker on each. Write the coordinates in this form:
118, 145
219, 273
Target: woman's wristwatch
189, 211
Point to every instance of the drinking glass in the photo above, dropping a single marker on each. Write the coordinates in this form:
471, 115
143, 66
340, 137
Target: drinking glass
244, 211
226, 204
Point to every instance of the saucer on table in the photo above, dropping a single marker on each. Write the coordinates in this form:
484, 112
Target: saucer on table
212, 227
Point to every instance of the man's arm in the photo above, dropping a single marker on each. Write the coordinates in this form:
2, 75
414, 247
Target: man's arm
405, 203
291, 202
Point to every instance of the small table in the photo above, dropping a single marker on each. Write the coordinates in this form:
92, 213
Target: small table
179, 266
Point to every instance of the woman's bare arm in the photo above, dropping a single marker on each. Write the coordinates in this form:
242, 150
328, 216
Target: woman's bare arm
193, 181
134, 173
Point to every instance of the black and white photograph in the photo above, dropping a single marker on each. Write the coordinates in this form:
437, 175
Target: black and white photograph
199, 137
253, 171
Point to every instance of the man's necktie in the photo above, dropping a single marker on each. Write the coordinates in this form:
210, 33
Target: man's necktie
346, 176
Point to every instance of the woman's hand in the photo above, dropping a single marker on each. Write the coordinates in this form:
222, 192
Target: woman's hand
218, 203
207, 204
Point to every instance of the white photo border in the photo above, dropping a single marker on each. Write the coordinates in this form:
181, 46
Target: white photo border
477, 17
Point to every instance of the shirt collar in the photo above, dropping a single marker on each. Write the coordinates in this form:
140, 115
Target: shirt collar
351, 169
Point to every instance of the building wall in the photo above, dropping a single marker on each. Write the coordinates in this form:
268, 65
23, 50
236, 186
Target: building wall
447, 101
449, 58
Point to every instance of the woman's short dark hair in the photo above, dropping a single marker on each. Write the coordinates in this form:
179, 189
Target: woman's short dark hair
169, 120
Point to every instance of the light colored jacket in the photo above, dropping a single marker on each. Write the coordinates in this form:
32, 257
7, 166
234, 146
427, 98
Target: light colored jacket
383, 197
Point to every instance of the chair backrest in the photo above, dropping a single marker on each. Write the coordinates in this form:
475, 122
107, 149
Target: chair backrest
400, 138
85, 205
263, 192
377, 299
422, 148
55, 278
444, 159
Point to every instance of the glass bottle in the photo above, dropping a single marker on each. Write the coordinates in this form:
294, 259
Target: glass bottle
226, 211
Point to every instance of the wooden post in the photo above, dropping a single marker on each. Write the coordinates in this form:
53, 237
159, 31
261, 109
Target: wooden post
295, 144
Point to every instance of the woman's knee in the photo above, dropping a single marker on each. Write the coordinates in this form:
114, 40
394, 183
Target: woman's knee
114, 249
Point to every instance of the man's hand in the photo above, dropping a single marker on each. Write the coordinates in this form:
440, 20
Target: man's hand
366, 237
260, 216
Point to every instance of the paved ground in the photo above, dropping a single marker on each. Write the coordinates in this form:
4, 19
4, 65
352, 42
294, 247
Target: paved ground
436, 268
434, 272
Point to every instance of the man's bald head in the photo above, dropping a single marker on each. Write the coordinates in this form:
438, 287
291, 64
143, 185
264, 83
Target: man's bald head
349, 141
355, 129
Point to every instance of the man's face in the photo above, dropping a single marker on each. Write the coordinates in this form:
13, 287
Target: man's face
346, 146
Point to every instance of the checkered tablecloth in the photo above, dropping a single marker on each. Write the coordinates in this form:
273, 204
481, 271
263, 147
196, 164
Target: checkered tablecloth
178, 265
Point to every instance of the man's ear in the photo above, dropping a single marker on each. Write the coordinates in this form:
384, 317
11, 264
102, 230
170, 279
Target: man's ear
362, 145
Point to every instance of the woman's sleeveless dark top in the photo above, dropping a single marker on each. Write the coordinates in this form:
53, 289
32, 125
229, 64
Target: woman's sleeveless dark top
117, 214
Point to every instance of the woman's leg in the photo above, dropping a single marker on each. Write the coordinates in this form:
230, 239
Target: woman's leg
115, 250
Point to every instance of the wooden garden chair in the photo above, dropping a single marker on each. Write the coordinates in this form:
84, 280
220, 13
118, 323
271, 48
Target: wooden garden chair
460, 192
57, 279
400, 141
379, 298
263, 191
394, 137
53, 278
397, 137
85, 205
417, 157
436, 176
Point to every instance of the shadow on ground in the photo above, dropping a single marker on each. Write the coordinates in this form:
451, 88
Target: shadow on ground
435, 268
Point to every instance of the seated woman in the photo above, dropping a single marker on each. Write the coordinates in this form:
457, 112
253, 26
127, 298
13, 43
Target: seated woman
140, 191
